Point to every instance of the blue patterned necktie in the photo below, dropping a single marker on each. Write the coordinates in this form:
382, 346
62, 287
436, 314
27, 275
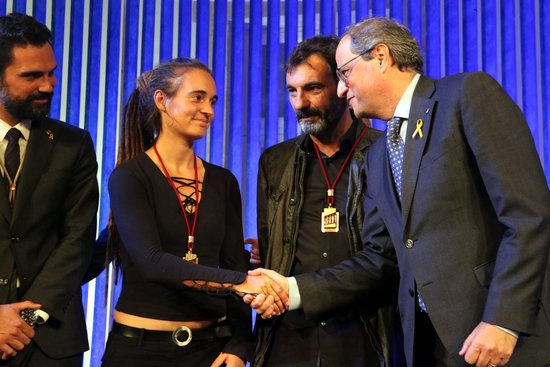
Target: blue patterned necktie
396, 148
11, 157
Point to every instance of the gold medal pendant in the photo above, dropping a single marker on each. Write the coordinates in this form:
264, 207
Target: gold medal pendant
330, 220
191, 257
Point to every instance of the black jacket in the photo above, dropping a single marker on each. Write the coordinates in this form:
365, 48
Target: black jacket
280, 197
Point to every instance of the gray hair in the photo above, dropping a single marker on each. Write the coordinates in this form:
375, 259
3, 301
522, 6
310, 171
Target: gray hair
370, 32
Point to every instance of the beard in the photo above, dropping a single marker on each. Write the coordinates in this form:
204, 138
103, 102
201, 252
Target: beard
25, 108
326, 120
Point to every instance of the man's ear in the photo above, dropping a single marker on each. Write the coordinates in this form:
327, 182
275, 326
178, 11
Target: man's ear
382, 54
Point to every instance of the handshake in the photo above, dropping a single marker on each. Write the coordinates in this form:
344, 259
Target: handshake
266, 291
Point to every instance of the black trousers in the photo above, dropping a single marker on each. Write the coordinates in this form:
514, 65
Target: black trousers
122, 351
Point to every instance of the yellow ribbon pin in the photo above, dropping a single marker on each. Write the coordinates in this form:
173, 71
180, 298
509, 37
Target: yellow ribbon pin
418, 130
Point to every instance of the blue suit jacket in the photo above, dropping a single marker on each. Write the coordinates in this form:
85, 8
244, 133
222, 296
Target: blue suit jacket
473, 230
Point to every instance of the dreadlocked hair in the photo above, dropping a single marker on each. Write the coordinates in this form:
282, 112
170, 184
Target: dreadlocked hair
141, 124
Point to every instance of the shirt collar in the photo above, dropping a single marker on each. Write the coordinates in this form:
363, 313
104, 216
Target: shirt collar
346, 143
24, 126
403, 108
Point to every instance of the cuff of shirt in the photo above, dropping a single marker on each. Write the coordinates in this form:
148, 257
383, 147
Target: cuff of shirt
511, 332
294, 294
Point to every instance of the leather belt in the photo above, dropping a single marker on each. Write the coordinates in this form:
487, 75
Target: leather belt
181, 336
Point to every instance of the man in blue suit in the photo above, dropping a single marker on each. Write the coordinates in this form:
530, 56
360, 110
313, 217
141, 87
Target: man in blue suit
456, 190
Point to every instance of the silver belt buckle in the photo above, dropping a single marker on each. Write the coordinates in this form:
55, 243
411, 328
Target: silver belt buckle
178, 332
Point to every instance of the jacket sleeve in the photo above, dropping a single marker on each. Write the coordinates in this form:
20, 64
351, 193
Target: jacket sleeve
502, 144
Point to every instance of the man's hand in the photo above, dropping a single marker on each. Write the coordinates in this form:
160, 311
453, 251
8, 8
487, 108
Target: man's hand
14, 332
254, 250
228, 360
267, 290
488, 345
262, 304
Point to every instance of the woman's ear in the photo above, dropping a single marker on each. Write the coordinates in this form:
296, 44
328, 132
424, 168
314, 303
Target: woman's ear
160, 100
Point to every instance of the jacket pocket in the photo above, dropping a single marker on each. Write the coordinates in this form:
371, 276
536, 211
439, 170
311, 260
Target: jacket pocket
484, 273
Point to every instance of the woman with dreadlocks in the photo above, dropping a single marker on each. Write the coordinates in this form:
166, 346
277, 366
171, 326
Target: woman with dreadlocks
176, 218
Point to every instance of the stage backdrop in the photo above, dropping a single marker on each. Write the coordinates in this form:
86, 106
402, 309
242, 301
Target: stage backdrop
101, 46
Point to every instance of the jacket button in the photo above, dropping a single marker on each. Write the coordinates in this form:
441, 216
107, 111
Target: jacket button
409, 243
4, 281
411, 292
325, 254
323, 323
292, 201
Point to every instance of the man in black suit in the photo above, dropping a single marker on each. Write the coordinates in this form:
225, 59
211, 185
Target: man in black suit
47, 207
457, 186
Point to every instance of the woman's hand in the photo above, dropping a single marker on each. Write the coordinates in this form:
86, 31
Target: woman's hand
230, 360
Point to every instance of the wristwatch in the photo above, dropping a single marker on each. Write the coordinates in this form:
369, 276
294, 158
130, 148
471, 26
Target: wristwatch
29, 316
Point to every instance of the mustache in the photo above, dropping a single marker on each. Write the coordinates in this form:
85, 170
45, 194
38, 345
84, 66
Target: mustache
307, 112
40, 95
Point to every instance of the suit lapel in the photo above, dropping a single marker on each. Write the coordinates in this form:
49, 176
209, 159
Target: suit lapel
4, 201
422, 107
37, 156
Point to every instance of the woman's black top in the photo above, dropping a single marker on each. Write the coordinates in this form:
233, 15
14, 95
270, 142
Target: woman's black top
154, 236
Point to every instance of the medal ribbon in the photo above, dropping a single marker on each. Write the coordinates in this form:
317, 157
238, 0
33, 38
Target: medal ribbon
190, 231
330, 191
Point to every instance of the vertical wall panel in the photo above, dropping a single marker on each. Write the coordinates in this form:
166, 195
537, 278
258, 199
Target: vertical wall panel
308, 17
166, 30
529, 72
432, 51
185, 21
508, 32
291, 39
254, 123
327, 17
415, 15
344, 15
470, 39
273, 72
378, 8
203, 54
544, 17
397, 10
491, 38
218, 67
453, 37
236, 118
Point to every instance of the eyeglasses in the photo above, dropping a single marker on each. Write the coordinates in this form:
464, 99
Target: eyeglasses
342, 75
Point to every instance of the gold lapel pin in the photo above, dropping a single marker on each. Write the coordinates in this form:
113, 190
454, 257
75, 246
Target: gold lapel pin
418, 130
50, 134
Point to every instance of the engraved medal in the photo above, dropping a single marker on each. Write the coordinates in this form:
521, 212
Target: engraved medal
191, 257
330, 219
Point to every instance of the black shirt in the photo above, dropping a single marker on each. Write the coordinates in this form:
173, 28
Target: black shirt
316, 250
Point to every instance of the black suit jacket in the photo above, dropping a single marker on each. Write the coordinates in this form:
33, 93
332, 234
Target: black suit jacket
473, 230
47, 237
